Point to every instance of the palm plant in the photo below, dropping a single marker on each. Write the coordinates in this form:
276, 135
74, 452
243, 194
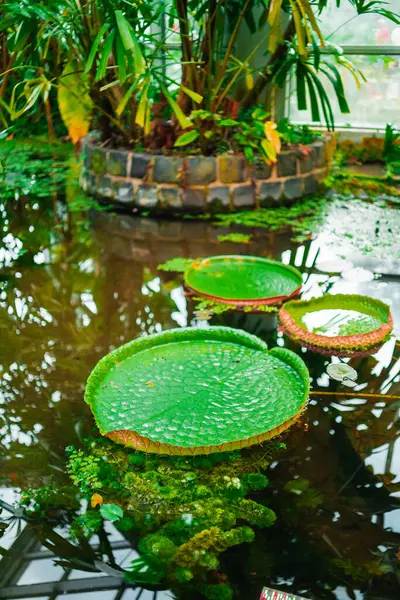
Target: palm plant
107, 59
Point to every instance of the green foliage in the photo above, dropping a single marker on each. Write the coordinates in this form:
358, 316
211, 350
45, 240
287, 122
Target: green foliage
178, 264
84, 526
84, 470
111, 512
49, 497
183, 509
307, 497
113, 45
391, 145
236, 238
213, 307
220, 591
33, 168
370, 149
296, 134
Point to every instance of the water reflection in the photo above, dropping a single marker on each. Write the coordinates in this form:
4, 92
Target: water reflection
76, 288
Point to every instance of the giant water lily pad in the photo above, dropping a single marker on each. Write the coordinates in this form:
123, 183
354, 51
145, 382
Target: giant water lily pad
243, 280
341, 324
196, 391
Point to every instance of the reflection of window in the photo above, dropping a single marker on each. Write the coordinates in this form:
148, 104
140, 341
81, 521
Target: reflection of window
372, 43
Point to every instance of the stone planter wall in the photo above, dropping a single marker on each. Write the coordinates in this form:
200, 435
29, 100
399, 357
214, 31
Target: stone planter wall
201, 184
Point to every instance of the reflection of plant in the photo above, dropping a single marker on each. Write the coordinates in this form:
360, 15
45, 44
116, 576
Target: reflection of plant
186, 511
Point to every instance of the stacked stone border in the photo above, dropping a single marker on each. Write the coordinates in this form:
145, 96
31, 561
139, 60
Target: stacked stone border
199, 184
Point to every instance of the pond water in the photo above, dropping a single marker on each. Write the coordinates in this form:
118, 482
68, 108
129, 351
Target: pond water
76, 285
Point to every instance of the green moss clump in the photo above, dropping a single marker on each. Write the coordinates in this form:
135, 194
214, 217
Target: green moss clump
40, 501
185, 510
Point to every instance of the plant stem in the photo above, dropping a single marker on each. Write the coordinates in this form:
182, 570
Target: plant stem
354, 395
233, 38
49, 119
187, 75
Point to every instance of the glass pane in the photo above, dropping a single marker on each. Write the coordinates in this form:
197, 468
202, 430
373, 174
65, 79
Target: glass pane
343, 26
33, 598
105, 595
376, 103
41, 570
75, 574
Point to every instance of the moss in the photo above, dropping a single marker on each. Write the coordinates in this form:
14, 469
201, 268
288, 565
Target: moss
184, 510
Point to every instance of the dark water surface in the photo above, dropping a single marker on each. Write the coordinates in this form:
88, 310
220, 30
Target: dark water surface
77, 286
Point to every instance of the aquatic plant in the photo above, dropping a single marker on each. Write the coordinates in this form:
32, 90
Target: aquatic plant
243, 280
185, 511
132, 387
178, 264
33, 167
213, 307
365, 326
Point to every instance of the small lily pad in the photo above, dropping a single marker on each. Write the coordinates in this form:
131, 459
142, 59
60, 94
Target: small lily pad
242, 280
213, 389
340, 324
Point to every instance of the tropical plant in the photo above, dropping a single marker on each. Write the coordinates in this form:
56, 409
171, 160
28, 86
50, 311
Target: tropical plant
138, 70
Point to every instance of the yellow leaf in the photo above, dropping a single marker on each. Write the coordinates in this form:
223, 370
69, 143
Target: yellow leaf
274, 21
96, 500
272, 136
313, 21
300, 31
274, 12
270, 154
74, 102
142, 108
249, 81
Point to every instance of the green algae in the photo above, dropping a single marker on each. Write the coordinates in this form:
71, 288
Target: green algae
235, 238
305, 216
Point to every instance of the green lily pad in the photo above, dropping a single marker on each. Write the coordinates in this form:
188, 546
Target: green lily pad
195, 391
242, 280
342, 324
